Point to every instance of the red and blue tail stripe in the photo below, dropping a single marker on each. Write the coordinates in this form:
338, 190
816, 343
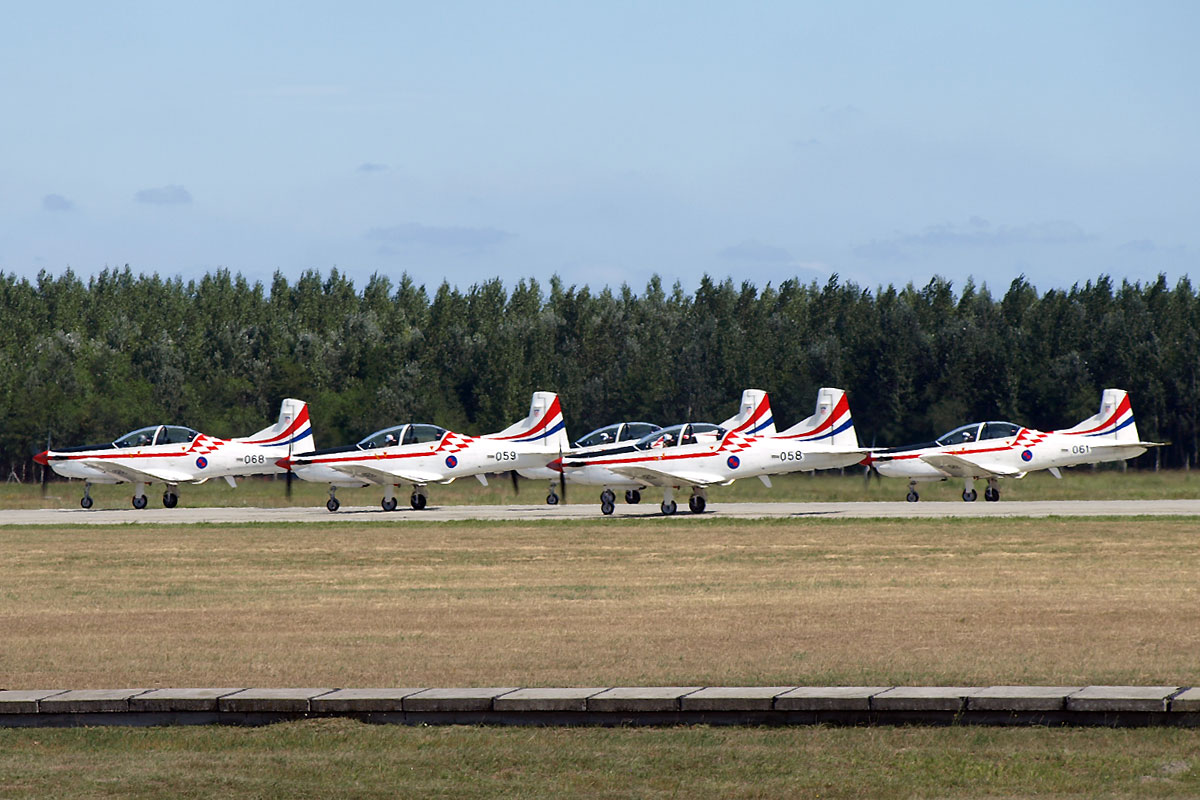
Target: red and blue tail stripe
551, 423
300, 429
759, 419
1122, 417
839, 420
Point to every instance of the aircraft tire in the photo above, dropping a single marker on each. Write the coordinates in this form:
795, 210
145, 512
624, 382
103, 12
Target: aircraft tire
912, 496
552, 499
85, 501
633, 497
971, 496
170, 499
668, 508
333, 504
389, 503
139, 501
991, 495
607, 508
696, 504
418, 501
607, 496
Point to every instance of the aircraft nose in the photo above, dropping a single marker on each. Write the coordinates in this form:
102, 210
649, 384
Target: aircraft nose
43, 458
556, 464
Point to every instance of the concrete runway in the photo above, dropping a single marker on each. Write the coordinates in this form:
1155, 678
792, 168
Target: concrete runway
524, 513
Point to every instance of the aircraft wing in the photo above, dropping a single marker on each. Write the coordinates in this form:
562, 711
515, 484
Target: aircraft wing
131, 475
656, 476
964, 467
380, 476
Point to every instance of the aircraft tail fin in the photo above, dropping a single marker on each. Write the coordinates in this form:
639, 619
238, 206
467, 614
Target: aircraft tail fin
544, 426
1113, 421
293, 429
830, 423
754, 417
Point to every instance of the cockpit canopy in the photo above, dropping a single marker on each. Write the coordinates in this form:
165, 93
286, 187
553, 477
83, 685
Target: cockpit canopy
978, 431
677, 435
402, 434
620, 432
157, 434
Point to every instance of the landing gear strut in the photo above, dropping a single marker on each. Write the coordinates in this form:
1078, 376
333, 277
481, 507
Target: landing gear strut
697, 501
139, 495
912, 492
171, 497
668, 504
333, 504
86, 500
552, 497
418, 500
992, 492
389, 498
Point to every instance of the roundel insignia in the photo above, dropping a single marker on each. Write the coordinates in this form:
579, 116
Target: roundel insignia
451, 462
734, 462
201, 462
1027, 455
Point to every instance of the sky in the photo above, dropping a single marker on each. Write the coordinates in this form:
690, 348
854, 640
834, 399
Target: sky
604, 142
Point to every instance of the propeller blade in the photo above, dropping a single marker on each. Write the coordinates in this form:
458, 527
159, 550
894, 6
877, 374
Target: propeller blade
516, 482
45, 466
562, 478
290, 475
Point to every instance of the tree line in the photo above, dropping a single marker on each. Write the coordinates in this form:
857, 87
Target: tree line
85, 361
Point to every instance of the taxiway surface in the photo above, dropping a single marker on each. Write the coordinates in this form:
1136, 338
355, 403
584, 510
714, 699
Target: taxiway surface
524, 513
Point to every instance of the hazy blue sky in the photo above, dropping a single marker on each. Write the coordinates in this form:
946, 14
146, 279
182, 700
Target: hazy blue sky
884, 141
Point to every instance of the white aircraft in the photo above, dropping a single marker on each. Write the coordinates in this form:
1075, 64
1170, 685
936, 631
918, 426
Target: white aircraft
173, 454
754, 416
423, 454
994, 450
701, 454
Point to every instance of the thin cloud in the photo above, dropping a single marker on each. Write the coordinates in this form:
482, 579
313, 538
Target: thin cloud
975, 232
413, 233
164, 196
370, 166
751, 250
56, 202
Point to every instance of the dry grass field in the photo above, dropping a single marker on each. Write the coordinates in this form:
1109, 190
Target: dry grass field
711, 602
1107, 482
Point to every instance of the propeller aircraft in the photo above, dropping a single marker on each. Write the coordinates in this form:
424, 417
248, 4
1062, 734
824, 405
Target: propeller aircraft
173, 454
421, 454
701, 454
994, 450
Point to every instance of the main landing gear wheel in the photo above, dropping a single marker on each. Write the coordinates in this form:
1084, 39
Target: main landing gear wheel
388, 503
418, 501
991, 495
85, 501
552, 499
333, 504
607, 508
633, 497
668, 508
697, 503
607, 496
170, 499
971, 496
139, 501
912, 496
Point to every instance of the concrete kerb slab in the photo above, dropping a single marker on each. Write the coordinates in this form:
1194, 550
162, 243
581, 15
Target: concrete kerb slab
733, 698
1021, 698
828, 698
455, 700
640, 699
179, 700
569, 699
270, 701
1187, 701
24, 701
89, 701
1122, 698
924, 698
352, 701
